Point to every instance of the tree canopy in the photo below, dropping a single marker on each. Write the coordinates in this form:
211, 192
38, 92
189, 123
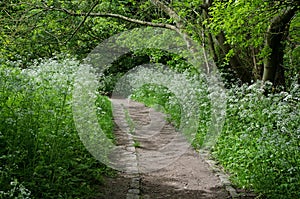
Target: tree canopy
251, 128
252, 39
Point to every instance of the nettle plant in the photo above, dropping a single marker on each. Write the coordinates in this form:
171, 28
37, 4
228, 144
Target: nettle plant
40, 147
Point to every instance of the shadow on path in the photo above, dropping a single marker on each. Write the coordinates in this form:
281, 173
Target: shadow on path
188, 176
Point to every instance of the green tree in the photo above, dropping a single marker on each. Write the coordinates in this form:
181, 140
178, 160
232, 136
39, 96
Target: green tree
244, 37
32, 29
257, 30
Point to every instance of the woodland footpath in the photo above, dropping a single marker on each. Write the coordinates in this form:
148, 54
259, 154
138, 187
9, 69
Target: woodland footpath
253, 44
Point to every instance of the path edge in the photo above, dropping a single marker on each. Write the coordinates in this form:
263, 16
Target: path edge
219, 172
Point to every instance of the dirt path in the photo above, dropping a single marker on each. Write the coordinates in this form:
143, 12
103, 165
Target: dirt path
182, 172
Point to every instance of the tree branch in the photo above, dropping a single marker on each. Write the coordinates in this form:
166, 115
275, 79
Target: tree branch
82, 22
117, 16
170, 12
180, 24
277, 31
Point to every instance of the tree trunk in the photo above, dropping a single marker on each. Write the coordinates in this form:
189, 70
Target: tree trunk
258, 67
242, 72
276, 34
211, 45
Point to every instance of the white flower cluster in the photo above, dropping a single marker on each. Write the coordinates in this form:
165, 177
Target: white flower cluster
57, 74
190, 91
84, 114
17, 191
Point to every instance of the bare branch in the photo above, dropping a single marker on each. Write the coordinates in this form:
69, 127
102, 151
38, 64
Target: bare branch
170, 12
82, 22
180, 24
117, 16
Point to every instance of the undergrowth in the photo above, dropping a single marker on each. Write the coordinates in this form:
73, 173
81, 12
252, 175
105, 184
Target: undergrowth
43, 157
259, 144
41, 153
260, 141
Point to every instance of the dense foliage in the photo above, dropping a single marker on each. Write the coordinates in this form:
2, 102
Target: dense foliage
246, 38
258, 31
259, 143
251, 42
41, 153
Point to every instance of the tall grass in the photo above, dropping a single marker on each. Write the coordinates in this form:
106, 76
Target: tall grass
41, 153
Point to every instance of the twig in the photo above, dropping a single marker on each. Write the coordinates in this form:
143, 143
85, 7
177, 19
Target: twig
118, 16
82, 22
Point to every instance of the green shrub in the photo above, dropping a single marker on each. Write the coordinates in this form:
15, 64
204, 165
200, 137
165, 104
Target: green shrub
152, 95
260, 142
41, 153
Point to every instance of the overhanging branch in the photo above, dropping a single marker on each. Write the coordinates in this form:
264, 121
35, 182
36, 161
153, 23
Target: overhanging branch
82, 22
117, 16
180, 23
169, 11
